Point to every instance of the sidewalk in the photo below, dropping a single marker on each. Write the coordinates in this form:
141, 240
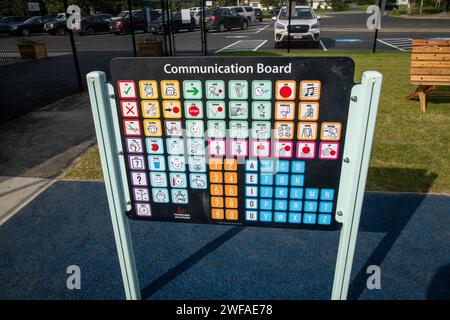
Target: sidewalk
405, 234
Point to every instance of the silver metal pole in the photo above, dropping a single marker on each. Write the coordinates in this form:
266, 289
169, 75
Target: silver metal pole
111, 154
356, 157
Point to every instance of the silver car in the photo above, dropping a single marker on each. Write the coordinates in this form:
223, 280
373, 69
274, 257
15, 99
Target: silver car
304, 26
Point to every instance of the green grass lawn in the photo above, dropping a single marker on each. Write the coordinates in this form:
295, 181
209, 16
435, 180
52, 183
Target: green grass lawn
411, 149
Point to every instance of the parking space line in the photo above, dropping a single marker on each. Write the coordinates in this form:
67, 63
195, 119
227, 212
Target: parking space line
401, 44
260, 45
261, 29
224, 48
323, 46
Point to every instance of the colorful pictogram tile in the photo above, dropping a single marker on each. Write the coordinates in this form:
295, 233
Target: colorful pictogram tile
261, 110
192, 89
261, 129
150, 108
310, 90
195, 129
136, 162
141, 194
156, 163
329, 150
238, 109
148, 89
143, 209
175, 146
179, 196
196, 147
170, 89
126, 89
262, 89
158, 179
177, 163
172, 109
283, 149
285, 90
197, 164
215, 109
178, 180
129, 109
284, 110
217, 128
154, 145
308, 111
193, 109
134, 145
131, 128
284, 130
238, 129
260, 148
306, 150
152, 128
215, 89
307, 131
138, 178
173, 128
238, 89
160, 195
330, 131
217, 147
239, 148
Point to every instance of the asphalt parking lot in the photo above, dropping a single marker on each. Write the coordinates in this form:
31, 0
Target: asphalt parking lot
339, 31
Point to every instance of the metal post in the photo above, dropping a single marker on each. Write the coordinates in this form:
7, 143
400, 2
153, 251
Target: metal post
74, 53
289, 25
111, 154
204, 33
132, 28
356, 157
375, 39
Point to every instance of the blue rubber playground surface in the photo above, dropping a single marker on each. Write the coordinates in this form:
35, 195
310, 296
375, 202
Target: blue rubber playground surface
407, 235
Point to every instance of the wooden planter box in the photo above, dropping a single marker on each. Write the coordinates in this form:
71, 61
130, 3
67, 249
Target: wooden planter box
149, 49
33, 51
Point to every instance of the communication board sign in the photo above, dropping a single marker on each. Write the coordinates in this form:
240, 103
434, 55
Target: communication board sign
239, 141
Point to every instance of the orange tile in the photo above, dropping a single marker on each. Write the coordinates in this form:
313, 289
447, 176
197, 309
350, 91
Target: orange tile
231, 214
216, 189
231, 202
230, 177
215, 164
217, 202
231, 190
230, 164
217, 214
215, 177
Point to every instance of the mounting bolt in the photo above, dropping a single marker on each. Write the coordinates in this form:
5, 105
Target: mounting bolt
128, 203
354, 98
347, 159
112, 96
120, 153
339, 213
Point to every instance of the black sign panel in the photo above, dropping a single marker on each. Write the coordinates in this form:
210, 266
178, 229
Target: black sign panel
239, 141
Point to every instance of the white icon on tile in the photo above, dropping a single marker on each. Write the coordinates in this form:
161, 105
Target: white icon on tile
137, 163
141, 194
217, 147
197, 164
160, 195
127, 89
134, 145
196, 147
260, 148
143, 209
132, 128
175, 146
283, 149
173, 128
309, 111
139, 178
239, 148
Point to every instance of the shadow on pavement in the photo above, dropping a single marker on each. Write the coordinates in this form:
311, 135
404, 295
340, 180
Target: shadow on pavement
387, 222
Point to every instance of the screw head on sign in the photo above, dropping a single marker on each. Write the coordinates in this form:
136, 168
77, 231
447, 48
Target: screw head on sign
354, 98
347, 159
339, 213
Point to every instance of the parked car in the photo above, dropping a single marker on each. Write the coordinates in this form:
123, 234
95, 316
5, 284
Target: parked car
122, 23
244, 11
7, 22
176, 25
391, 6
258, 14
304, 26
89, 24
222, 19
29, 26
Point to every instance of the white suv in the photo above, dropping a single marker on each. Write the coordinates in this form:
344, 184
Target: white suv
304, 26
245, 11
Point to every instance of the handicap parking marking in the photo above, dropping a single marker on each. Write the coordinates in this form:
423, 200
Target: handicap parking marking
401, 44
349, 40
